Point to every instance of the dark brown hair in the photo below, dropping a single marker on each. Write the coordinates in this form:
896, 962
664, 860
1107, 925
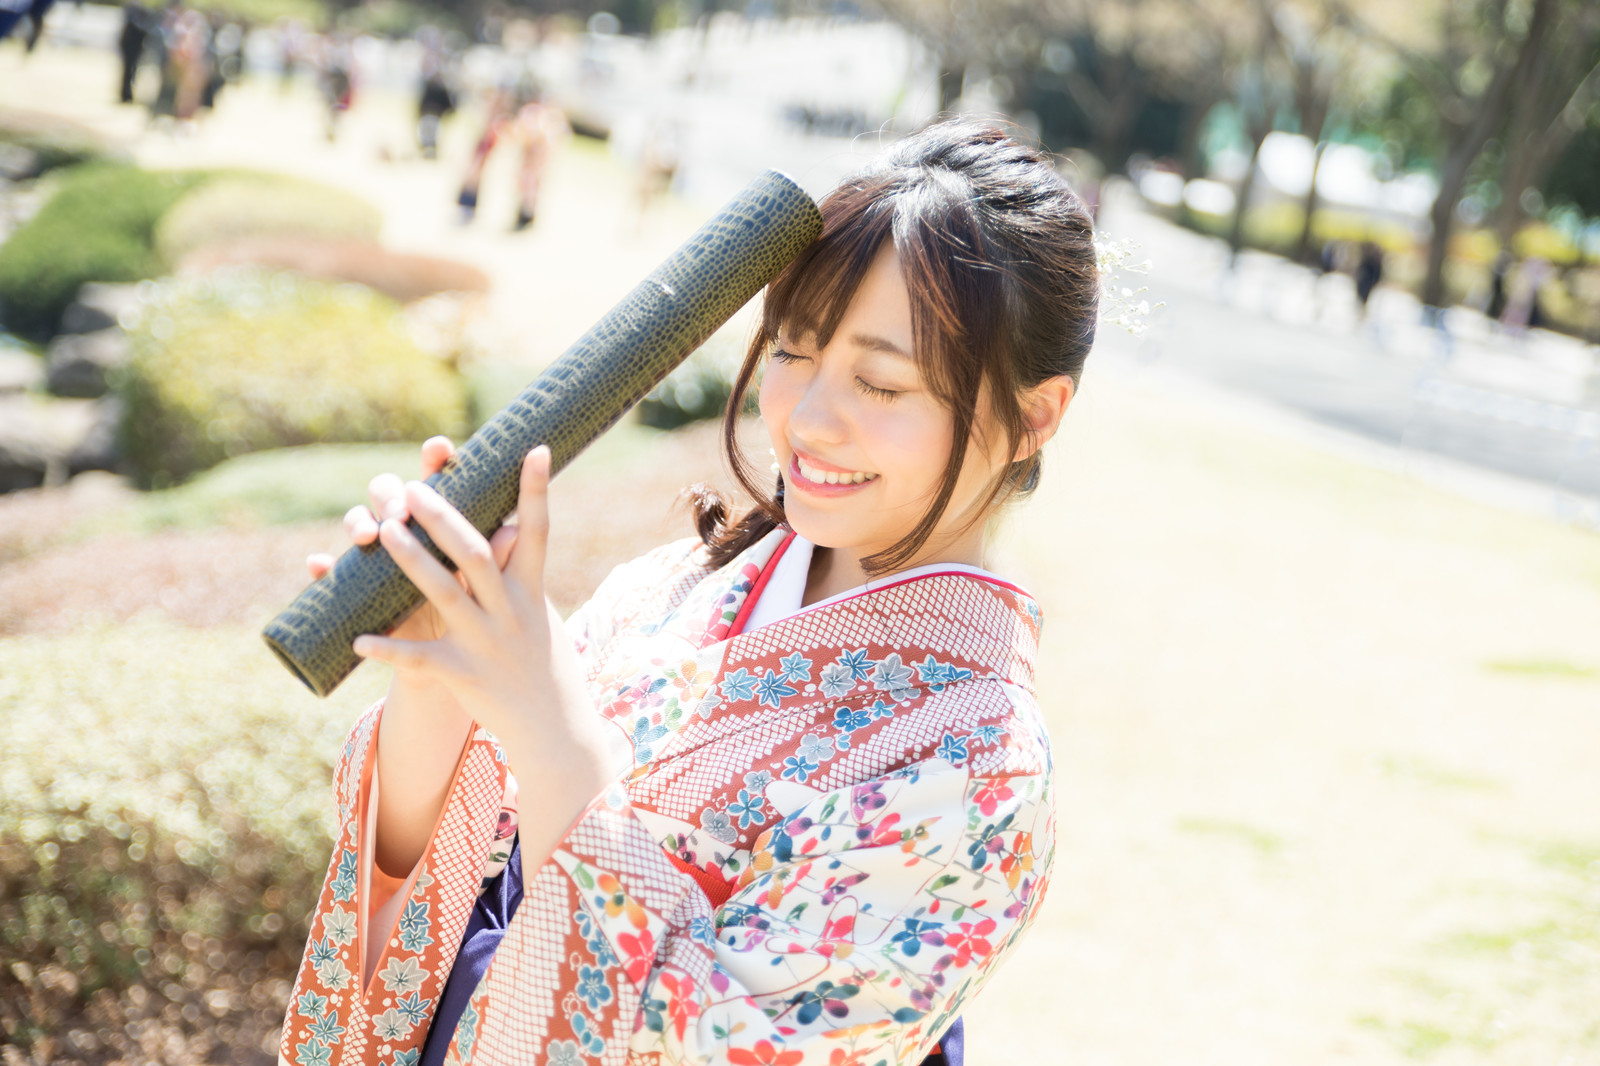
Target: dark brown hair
998, 257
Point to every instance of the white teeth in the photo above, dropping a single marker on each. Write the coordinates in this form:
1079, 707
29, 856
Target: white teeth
831, 477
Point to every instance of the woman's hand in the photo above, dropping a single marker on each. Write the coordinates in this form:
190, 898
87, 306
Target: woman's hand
387, 495
495, 643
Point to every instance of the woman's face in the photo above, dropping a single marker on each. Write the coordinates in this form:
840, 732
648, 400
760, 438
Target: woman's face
861, 439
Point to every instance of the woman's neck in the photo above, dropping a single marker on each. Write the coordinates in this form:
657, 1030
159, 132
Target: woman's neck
836, 570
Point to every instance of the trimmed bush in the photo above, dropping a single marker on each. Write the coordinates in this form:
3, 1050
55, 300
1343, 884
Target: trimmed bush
99, 226
699, 388
405, 277
48, 142
165, 832
233, 208
241, 361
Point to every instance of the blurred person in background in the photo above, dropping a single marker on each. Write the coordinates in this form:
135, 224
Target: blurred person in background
130, 45
522, 118
224, 58
295, 44
498, 112
13, 12
1369, 271
437, 99
161, 43
1497, 287
335, 79
1522, 311
537, 129
188, 53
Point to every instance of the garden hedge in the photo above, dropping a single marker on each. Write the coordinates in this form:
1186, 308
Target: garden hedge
240, 206
98, 226
165, 831
240, 361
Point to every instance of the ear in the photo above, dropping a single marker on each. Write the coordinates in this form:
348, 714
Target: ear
1043, 408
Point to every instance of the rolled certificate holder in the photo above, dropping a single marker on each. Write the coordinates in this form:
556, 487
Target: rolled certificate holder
580, 396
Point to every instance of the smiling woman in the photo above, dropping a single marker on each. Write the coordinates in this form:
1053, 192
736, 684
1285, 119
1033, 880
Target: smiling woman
954, 289
775, 796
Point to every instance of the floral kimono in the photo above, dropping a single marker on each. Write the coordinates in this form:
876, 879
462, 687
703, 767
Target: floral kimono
836, 827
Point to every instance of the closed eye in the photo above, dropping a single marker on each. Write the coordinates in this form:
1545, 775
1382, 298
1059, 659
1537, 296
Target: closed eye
784, 356
875, 392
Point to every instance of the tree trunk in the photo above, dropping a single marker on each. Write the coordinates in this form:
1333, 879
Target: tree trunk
1452, 177
1517, 174
1236, 234
1302, 251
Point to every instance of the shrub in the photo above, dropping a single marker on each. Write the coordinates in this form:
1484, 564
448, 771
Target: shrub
48, 142
240, 361
398, 274
98, 226
165, 832
699, 388
235, 207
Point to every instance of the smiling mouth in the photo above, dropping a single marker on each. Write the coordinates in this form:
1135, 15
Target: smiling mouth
818, 476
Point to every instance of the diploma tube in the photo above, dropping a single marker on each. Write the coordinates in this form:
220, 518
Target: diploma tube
581, 395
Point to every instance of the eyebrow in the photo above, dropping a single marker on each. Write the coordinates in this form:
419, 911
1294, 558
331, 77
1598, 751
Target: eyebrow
875, 343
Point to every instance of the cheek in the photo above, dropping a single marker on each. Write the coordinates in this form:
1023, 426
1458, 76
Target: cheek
915, 442
774, 402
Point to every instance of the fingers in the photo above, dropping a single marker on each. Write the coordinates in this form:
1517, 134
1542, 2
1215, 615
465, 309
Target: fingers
319, 563
533, 522
413, 655
436, 451
360, 526
504, 539
463, 544
387, 493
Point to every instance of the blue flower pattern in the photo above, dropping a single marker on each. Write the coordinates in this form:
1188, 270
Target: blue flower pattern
797, 768
737, 685
344, 881
747, 808
702, 931
836, 680
584, 1030
414, 926
857, 663
413, 1007
849, 719
952, 749
795, 668
327, 1028
592, 987
772, 688
312, 1053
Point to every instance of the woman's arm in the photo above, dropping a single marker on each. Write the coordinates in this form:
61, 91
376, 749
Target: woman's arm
420, 736
422, 728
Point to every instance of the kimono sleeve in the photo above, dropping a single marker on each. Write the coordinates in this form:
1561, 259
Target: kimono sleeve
627, 590
864, 922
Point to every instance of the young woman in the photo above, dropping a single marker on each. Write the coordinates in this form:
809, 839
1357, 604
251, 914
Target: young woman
779, 794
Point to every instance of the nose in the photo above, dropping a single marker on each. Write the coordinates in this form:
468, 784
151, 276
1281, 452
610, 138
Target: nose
817, 417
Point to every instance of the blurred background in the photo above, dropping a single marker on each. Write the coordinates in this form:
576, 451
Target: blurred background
1317, 544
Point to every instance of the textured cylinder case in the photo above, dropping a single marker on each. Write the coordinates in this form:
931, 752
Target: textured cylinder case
581, 394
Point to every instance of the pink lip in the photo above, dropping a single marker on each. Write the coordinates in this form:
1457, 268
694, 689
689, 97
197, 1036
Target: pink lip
821, 488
